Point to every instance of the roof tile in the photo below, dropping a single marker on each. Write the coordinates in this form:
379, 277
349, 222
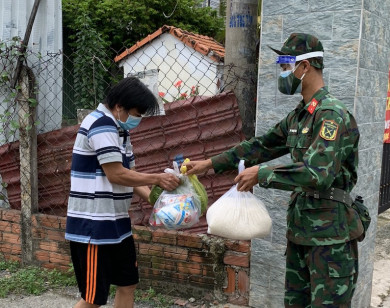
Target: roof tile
201, 43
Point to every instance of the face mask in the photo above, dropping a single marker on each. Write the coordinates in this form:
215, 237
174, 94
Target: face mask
288, 83
131, 122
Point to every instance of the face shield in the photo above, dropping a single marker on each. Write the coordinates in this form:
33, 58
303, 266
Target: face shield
287, 82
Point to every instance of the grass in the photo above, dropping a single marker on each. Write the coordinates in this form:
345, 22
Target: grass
156, 299
32, 280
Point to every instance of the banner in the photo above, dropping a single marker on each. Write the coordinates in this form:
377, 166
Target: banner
386, 137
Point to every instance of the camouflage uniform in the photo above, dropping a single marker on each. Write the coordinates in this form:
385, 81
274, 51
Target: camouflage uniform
322, 139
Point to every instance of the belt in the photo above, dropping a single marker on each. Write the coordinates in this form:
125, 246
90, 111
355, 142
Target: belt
334, 194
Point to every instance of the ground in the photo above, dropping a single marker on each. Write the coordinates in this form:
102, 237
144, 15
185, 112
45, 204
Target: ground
381, 277
66, 298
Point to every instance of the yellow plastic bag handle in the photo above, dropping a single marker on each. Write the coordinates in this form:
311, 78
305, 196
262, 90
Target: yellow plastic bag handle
183, 169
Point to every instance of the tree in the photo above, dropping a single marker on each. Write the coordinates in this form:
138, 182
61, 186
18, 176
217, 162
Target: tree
96, 31
121, 23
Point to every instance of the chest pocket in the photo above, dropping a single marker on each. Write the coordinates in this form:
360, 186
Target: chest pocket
302, 141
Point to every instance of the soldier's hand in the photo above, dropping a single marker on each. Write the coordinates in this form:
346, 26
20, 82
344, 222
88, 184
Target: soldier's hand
247, 179
168, 181
198, 167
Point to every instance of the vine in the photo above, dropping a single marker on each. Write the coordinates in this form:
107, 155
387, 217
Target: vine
89, 65
10, 51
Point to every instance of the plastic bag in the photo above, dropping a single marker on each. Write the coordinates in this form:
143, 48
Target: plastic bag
156, 190
177, 209
238, 215
198, 186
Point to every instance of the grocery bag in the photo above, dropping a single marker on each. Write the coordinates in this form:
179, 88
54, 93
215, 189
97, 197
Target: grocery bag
177, 209
238, 215
200, 190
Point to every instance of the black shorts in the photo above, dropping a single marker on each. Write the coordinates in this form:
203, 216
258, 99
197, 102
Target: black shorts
98, 266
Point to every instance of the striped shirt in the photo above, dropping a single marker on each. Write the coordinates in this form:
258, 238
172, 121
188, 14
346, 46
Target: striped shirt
97, 209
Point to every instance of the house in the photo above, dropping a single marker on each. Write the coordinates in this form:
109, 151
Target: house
215, 4
185, 63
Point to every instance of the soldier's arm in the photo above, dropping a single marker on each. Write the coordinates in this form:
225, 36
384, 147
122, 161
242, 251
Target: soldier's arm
321, 162
254, 151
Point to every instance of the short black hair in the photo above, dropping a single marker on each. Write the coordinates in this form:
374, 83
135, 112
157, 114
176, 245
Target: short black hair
130, 93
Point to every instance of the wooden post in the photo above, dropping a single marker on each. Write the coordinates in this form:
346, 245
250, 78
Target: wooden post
28, 161
23, 48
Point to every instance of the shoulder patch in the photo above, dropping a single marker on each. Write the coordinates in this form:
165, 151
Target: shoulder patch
329, 130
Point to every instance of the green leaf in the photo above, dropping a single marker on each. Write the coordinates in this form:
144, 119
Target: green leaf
33, 102
14, 124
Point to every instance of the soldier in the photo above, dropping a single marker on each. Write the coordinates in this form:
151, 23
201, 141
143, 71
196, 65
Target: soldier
322, 137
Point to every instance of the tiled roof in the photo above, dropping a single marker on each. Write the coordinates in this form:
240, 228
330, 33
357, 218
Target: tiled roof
203, 44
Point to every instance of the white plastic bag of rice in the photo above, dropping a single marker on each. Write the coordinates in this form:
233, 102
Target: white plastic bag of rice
238, 216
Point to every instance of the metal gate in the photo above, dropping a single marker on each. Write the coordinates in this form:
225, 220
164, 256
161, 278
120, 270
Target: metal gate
384, 192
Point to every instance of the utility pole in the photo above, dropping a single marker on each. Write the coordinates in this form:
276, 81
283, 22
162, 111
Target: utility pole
240, 73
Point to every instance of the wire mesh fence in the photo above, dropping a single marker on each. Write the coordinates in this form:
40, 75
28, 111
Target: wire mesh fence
40, 118
198, 118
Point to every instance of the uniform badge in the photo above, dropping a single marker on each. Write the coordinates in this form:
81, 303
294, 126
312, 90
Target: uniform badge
329, 130
312, 106
305, 130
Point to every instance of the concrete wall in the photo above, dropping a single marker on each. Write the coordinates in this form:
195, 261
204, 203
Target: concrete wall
356, 39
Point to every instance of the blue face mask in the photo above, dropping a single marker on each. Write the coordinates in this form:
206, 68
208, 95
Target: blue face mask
131, 122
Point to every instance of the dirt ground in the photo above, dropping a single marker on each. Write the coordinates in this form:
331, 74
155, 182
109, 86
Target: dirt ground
67, 298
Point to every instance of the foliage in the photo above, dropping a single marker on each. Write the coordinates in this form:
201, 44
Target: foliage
15, 279
152, 297
33, 280
10, 51
89, 64
149, 296
122, 23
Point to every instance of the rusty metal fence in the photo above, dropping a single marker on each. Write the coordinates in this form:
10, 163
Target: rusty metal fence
199, 115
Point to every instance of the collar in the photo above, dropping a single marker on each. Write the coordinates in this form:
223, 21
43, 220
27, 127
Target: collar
315, 100
107, 112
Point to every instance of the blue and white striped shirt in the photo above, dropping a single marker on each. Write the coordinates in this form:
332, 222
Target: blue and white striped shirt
97, 209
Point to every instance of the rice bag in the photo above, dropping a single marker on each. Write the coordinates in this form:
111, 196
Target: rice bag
238, 215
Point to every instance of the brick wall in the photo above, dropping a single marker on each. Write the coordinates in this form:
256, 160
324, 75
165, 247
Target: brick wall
175, 263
